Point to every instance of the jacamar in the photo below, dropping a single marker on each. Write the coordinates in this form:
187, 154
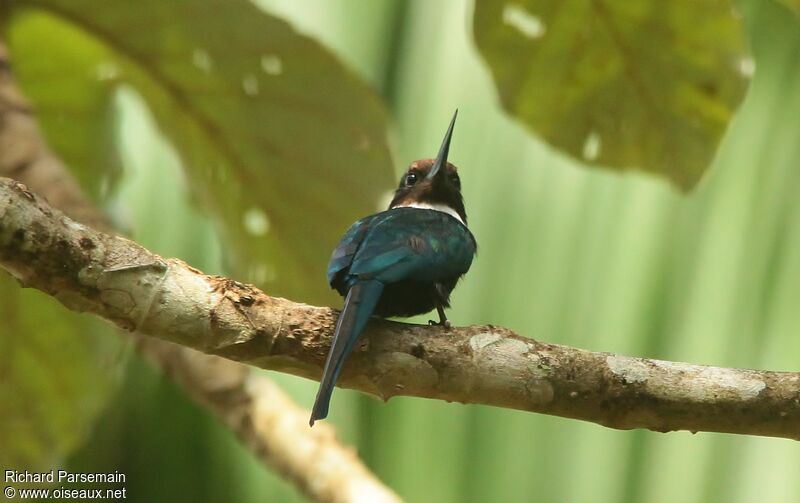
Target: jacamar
400, 262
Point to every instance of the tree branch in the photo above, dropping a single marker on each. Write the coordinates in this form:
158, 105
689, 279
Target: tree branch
121, 281
275, 428
256, 410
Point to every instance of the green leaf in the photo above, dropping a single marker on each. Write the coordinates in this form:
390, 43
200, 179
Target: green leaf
284, 145
794, 5
70, 79
56, 370
645, 85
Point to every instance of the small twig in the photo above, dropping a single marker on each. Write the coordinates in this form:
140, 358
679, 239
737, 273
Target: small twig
267, 421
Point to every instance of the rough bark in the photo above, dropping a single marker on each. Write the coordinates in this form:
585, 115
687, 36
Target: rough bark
121, 281
255, 409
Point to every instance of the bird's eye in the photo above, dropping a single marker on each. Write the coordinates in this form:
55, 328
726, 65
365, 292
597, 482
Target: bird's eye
456, 181
411, 179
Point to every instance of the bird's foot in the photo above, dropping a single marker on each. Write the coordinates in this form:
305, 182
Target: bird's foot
443, 323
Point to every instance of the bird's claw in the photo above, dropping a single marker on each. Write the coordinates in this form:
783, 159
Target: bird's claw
445, 323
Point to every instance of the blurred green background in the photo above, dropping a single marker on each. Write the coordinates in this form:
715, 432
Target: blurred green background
595, 259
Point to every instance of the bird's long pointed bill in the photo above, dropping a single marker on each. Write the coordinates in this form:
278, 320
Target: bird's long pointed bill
441, 159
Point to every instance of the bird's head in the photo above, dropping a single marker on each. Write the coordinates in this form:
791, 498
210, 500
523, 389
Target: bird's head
432, 183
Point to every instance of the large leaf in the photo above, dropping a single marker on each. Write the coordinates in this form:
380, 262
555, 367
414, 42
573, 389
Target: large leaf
283, 145
55, 371
648, 85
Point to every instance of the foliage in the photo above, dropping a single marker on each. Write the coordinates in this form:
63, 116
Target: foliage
647, 85
792, 4
72, 90
55, 372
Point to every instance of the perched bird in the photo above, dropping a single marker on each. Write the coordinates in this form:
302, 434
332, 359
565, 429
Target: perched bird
400, 262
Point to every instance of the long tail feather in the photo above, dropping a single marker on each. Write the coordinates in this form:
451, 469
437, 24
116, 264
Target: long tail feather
358, 307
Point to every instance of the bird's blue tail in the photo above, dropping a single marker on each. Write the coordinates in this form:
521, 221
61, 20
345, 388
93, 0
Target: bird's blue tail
358, 307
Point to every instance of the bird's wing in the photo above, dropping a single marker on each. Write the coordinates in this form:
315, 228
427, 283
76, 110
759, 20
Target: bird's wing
343, 255
411, 243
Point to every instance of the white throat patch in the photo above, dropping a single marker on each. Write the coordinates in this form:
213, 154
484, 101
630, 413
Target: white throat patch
437, 207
